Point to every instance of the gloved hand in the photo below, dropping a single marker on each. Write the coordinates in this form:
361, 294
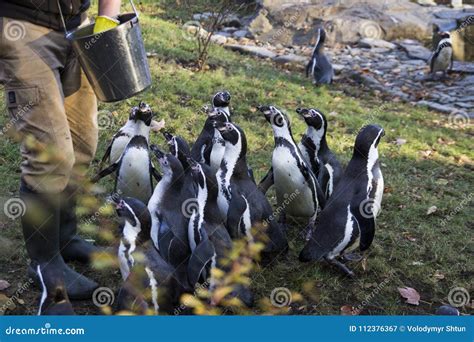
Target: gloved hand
104, 23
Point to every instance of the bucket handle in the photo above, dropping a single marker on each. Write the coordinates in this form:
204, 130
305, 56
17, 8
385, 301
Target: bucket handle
64, 22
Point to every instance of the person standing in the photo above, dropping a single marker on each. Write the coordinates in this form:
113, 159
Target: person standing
54, 111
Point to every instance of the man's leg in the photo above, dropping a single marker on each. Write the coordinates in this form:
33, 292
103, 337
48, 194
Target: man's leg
34, 98
81, 111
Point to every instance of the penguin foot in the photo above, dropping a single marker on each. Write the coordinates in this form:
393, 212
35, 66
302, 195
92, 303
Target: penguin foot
341, 266
355, 257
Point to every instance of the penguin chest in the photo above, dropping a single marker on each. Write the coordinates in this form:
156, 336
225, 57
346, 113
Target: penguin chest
134, 179
377, 190
124, 261
217, 153
443, 60
349, 238
293, 192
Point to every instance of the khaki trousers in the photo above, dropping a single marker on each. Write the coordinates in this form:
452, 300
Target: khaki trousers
50, 102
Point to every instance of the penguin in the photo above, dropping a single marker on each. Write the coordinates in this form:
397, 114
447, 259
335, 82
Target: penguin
54, 299
232, 178
297, 188
316, 152
139, 123
134, 170
209, 146
169, 214
442, 56
149, 281
319, 67
447, 310
348, 220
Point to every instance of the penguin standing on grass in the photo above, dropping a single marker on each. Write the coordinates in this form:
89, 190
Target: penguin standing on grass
209, 146
442, 58
319, 66
233, 178
149, 281
316, 152
297, 188
348, 220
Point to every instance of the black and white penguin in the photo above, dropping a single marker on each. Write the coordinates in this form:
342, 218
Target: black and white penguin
319, 67
54, 299
139, 123
149, 281
134, 170
316, 151
233, 178
297, 188
209, 146
348, 220
442, 57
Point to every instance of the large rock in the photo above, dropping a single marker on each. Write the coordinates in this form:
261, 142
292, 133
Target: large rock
292, 22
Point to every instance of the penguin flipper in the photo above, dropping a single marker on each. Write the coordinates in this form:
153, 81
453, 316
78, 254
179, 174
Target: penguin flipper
154, 172
105, 172
237, 208
199, 260
324, 179
267, 181
366, 221
106, 155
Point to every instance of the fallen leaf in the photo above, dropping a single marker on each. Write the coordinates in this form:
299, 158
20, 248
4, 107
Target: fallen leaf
333, 113
438, 275
431, 210
4, 284
20, 301
363, 263
417, 263
442, 181
348, 310
410, 294
400, 141
157, 126
409, 237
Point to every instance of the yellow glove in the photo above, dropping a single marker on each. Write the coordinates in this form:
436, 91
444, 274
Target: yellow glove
104, 23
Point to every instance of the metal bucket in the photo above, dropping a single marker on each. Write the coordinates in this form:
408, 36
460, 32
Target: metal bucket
114, 61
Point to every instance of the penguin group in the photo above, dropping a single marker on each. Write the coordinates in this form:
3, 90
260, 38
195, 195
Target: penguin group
173, 234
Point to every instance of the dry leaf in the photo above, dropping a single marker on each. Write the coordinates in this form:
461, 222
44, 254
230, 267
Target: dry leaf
410, 294
157, 126
348, 310
409, 237
4, 284
400, 141
442, 181
438, 275
431, 210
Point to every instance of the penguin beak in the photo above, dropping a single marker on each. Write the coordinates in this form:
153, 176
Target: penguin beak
303, 112
158, 153
168, 136
266, 110
220, 126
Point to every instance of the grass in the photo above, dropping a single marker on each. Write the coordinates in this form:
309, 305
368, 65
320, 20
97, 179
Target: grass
433, 168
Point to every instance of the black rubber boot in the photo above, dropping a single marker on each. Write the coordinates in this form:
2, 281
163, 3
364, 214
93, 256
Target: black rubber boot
41, 233
72, 246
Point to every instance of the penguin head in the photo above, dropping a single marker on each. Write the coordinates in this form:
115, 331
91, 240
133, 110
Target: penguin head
141, 113
169, 163
221, 99
279, 121
178, 145
444, 35
136, 213
321, 34
197, 172
217, 114
368, 139
228, 131
313, 118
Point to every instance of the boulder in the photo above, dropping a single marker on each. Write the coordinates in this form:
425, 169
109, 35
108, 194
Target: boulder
252, 50
380, 43
290, 58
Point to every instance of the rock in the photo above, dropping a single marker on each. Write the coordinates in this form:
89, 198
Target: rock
463, 67
230, 30
223, 34
242, 34
218, 39
415, 50
380, 43
203, 16
260, 24
291, 58
231, 21
252, 50
439, 107
338, 68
